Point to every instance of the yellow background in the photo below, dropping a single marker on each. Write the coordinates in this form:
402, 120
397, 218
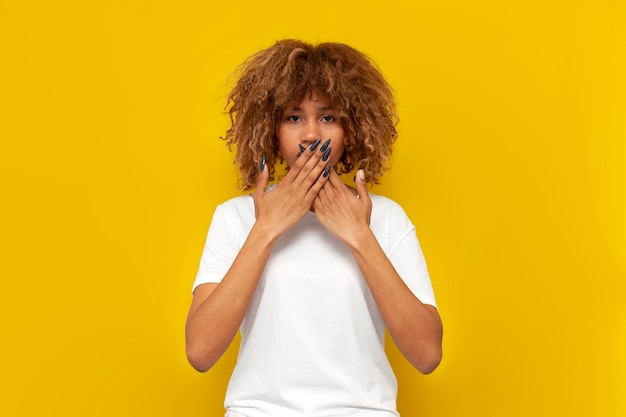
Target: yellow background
511, 163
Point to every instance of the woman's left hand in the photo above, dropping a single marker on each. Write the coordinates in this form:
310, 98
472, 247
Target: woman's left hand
415, 327
342, 212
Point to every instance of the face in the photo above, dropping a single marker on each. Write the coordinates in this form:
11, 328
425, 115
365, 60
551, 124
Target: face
313, 118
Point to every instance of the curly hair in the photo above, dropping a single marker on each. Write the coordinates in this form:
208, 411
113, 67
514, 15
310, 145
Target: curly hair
279, 77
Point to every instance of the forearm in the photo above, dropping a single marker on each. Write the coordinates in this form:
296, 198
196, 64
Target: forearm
213, 321
415, 327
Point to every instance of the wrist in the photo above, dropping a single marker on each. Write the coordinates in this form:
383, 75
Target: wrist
360, 239
263, 234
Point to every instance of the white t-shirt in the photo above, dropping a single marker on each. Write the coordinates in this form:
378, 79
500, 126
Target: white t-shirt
313, 339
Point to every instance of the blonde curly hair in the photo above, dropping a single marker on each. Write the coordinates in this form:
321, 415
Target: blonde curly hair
279, 77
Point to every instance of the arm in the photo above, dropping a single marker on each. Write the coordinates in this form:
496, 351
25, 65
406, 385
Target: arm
217, 310
415, 327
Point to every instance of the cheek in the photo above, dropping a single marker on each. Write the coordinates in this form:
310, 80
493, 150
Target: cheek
338, 149
288, 151
341, 141
283, 143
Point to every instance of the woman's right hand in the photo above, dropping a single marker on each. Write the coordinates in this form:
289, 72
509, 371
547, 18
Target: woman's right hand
282, 207
217, 310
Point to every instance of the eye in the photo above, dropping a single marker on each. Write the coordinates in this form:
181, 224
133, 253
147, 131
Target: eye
293, 118
328, 118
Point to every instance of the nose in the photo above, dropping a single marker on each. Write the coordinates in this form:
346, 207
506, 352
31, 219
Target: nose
311, 132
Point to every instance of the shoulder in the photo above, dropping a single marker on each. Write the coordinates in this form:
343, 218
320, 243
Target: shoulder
387, 213
238, 203
385, 206
235, 211
243, 204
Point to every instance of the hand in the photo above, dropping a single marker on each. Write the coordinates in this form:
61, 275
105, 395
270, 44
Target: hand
288, 202
343, 212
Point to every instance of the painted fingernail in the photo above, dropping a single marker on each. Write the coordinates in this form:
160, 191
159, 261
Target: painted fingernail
325, 145
326, 171
326, 154
314, 144
262, 164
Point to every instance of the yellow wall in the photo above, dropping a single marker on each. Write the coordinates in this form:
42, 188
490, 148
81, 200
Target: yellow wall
511, 162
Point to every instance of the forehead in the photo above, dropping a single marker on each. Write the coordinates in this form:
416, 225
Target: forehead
312, 98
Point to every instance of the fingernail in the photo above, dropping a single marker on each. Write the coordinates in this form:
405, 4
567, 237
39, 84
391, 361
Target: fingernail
262, 165
314, 144
326, 154
325, 145
326, 171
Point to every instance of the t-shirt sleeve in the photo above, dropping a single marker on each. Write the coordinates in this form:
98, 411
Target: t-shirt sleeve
408, 259
220, 249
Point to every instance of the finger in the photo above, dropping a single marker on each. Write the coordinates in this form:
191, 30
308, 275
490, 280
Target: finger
323, 193
313, 167
334, 181
319, 182
318, 201
299, 170
361, 186
262, 178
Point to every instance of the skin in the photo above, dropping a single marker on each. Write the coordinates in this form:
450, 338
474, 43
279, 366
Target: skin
217, 310
312, 119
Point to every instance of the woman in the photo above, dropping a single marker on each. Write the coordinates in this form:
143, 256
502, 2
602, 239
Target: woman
310, 270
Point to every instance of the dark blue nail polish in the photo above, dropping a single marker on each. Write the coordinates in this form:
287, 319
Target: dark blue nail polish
262, 165
314, 144
326, 154
302, 148
326, 171
325, 145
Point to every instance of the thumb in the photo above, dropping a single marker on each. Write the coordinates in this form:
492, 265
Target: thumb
361, 185
261, 185
262, 178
